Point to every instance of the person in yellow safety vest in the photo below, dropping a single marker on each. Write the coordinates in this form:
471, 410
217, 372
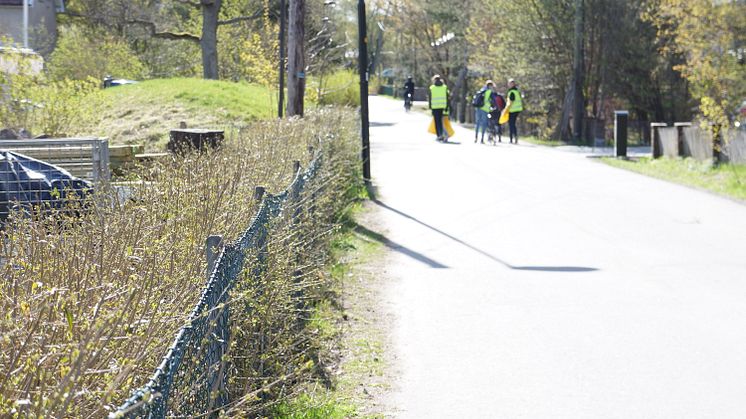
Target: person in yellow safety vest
438, 99
481, 112
515, 107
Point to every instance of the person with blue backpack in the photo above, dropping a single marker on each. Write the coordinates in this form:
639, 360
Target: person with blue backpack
483, 102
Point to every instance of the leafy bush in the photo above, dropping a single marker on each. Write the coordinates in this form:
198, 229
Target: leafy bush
339, 88
249, 51
52, 107
82, 54
91, 304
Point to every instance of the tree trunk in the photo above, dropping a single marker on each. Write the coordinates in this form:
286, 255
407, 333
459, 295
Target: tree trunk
460, 93
562, 131
376, 61
209, 40
296, 57
579, 71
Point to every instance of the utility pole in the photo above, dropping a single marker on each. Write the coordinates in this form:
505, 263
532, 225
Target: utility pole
281, 99
25, 23
363, 68
296, 57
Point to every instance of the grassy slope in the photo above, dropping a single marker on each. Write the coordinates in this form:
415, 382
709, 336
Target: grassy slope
143, 113
726, 180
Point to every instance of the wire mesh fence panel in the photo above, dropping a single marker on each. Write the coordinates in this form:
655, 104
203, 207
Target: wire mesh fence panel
28, 184
192, 378
86, 158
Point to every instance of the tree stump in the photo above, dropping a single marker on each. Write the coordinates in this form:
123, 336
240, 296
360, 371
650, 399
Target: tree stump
194, 139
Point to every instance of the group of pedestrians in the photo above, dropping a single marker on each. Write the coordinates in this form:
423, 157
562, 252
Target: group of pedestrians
492, 109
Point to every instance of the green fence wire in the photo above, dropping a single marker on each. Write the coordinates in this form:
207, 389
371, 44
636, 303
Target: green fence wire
191, 379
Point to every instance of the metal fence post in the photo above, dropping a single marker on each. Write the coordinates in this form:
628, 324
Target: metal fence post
621, 119
96, 161
105, 174
258, 193
213, 247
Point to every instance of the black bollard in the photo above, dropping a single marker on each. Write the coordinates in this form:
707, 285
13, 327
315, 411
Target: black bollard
620, 133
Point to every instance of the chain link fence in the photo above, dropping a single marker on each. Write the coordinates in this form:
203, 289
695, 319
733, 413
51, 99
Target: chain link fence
192, 378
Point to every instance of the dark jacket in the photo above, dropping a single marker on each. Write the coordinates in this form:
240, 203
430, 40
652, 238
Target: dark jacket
409, 87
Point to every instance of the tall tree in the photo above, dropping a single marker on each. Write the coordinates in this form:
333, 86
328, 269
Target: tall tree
711, 37
165, 19
578, 73
208, 42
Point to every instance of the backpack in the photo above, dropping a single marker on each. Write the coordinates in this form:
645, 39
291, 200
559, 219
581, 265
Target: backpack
499, 101
477, 100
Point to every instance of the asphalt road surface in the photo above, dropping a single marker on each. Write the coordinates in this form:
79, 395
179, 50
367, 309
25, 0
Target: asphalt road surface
528, 282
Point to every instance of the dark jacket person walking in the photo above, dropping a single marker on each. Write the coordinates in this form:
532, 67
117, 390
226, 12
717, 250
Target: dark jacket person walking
515, 107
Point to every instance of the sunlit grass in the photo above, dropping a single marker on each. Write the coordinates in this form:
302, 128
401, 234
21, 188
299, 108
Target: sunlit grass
726, 179
143, 113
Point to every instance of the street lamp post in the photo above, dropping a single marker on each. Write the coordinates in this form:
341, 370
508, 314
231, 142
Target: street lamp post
363, 68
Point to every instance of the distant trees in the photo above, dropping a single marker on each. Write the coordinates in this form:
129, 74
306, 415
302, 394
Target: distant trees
227, 39
195, 21
710, 37
578, 59
649, 56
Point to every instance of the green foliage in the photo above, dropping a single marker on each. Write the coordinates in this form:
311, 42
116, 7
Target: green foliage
52, 107
83, 53
339, 88
306, 407
249, 51
711, 37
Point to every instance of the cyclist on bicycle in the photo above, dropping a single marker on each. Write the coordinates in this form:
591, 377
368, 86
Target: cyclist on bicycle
408, 92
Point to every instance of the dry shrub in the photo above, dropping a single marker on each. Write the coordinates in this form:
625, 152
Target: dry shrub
91, 302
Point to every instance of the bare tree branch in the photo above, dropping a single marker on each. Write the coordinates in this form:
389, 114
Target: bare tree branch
163, 34
145, 23
256, 15
194, 4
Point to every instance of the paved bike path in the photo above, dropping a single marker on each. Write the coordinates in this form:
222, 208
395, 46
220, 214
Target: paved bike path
527, 282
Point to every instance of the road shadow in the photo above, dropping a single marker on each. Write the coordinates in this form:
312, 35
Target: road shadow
381, 124
554, 268
371, 192
363, 231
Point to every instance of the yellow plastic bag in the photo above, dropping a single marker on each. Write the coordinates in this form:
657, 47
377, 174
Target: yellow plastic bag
446, 124
504, 116
448, 127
